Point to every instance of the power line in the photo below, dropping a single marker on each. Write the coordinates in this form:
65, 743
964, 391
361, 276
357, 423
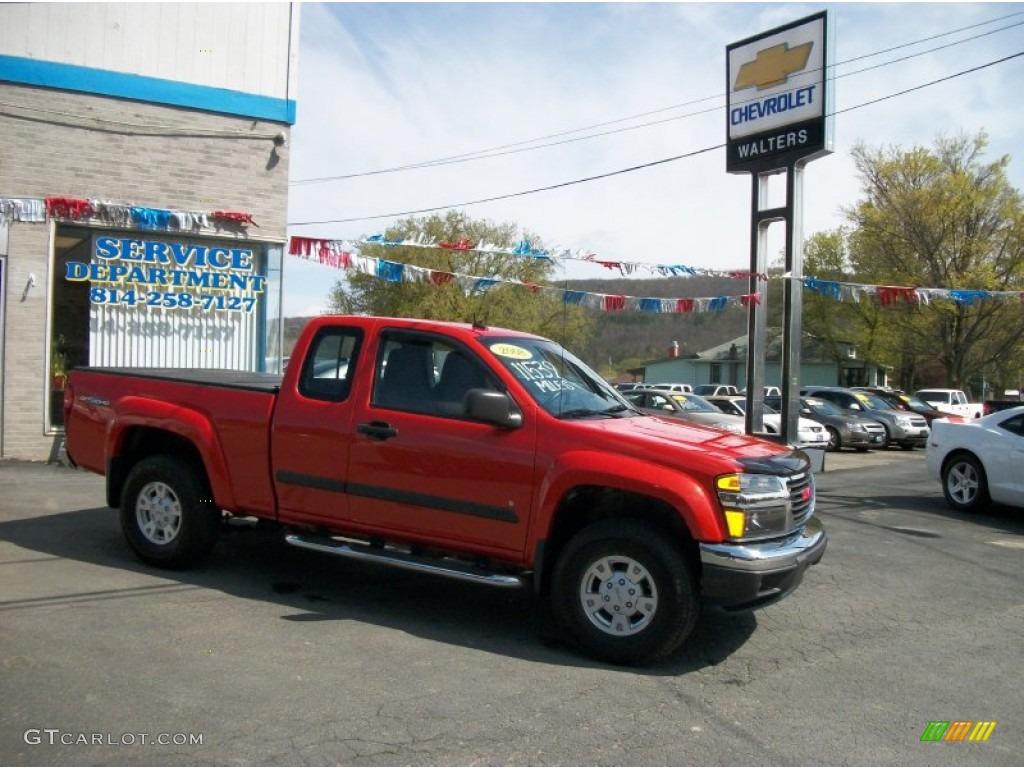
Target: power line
642, 166
530, 144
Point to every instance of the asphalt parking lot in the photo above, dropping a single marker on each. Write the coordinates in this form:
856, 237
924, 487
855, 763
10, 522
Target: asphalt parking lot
268, 655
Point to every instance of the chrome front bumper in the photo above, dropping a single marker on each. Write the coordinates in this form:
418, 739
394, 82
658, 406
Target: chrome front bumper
745, 576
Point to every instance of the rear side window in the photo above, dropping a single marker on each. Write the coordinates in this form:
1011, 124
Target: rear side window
1014, 425
330, 365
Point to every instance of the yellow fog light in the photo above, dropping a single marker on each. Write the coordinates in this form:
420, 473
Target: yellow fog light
737, 522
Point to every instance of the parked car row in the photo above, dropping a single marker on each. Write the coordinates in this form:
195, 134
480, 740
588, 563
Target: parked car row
978, 461
832, 417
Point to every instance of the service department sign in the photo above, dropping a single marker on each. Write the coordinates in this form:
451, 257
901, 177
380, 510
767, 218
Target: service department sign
778, 99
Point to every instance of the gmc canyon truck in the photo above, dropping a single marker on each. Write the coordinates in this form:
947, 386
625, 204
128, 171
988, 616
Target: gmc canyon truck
476, 453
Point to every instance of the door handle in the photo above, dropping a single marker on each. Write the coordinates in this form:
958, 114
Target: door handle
377, 430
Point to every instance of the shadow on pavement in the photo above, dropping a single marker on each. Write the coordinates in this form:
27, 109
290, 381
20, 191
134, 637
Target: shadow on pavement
256, 564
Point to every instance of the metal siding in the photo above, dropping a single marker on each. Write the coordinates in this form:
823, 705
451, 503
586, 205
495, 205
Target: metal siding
154, 338
250, 42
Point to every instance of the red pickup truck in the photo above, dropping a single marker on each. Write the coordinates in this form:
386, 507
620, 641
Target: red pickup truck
465, 451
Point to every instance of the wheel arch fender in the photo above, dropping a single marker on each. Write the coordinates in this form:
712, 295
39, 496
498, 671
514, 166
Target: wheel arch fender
141, 427
583, 475
958, 453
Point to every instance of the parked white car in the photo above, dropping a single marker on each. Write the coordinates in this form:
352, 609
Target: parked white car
810, 433
951, 401
979, 461
672, 387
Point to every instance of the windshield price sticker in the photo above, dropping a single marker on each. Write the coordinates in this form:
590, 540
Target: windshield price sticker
542, 375
511, 351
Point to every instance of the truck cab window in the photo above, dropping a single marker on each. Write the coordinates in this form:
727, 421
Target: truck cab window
423, 375
326, 374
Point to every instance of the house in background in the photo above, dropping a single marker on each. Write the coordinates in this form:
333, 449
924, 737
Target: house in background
820, 364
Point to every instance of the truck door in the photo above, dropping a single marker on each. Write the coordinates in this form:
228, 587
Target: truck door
420, 468
312, 432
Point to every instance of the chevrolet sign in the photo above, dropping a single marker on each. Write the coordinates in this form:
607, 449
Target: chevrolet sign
778, 97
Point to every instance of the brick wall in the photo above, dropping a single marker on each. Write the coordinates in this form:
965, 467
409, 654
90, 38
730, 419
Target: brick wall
58, 143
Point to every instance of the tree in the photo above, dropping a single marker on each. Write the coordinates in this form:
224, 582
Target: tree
941, 218
502, 304
865, 324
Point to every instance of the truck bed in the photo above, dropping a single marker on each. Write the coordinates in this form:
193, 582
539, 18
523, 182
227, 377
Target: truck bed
258, 382
226, 414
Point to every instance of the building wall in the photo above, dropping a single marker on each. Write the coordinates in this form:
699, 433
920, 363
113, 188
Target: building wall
244, 48
67, 143
60, 143
24, 364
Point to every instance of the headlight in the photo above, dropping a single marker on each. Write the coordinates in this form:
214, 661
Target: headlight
904, 422
755, 506
728, 426
855, 427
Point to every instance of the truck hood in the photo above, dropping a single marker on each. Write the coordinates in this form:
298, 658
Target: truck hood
677, 442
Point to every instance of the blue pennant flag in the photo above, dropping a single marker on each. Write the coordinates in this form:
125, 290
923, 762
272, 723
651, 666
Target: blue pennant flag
524, 249
390, 271
827, 288
484, 283
968, 297
151, 218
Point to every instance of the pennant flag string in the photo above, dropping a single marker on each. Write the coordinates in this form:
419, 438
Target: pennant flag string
333, 253
899, 295
525, 250
39, 210
339, 253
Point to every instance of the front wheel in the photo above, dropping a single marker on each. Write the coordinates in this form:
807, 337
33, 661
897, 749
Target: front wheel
964, 483
624, 593
835, 442
167, 512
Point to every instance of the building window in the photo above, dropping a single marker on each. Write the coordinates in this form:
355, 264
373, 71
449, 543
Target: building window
716, 373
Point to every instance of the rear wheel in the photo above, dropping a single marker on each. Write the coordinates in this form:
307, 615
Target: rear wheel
624, 593
167, 512
964, 483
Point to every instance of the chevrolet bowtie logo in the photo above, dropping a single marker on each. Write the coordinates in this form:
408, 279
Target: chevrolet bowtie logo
773, 66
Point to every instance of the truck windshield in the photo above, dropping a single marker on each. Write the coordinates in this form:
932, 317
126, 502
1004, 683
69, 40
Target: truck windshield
557, 380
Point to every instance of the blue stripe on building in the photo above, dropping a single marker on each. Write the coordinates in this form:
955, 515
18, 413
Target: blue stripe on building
70, 77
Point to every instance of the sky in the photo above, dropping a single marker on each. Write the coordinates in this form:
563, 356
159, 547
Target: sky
383, 85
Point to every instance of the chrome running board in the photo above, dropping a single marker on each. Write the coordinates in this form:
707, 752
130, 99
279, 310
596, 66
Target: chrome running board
449, 567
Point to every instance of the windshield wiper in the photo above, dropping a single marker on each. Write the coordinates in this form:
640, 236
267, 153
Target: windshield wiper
577, 413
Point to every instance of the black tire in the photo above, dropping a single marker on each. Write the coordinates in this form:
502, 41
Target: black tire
167, 512
835, 442
964, 483
907, 446
887, 440
666, 607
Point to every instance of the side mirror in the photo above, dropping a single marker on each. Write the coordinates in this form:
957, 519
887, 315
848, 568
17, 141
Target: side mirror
493, 407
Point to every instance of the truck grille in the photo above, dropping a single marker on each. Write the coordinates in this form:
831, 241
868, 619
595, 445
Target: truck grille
801, 496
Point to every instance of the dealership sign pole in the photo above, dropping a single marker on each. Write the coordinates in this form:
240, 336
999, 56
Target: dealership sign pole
778, 120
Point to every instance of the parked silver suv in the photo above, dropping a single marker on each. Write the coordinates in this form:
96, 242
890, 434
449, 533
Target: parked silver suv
903, 428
